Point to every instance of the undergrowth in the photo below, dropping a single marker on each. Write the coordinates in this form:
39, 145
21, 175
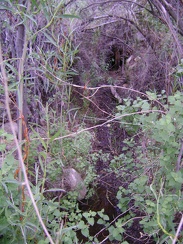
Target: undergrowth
150, 164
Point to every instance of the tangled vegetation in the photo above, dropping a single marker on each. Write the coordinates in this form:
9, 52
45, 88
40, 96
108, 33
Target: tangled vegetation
91, 121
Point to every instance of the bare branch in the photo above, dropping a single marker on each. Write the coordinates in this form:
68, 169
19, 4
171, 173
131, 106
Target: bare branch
179, 157
178, 231
166, 18
171, 11
117, 1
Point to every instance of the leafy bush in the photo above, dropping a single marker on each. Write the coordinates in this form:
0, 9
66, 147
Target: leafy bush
53, 57
151, 162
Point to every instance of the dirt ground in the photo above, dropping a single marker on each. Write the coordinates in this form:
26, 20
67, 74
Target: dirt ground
109, 139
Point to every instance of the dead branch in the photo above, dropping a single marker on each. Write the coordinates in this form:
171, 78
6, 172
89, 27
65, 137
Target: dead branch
178, 231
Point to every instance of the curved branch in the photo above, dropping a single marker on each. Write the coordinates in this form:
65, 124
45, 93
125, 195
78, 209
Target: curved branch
170, 10
127, 1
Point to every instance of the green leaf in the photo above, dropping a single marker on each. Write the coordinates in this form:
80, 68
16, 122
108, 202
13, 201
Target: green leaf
91, 221
115, 232
43, 241
100, 222
179, 70
86, 215
2, 147
57, 213
105, 217
81, 224
170, 128
34, 3
2, 7
92, 213
145, 106
4, 224
151, 96
57, 134
177, 176
40, 138
51, 40
168, 119
111, 229
31, 18
85, 232
150, 203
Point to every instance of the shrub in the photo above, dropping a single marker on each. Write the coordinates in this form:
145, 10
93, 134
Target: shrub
151, 163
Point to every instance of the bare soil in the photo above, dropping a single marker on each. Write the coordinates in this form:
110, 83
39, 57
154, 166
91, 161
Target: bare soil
109, 139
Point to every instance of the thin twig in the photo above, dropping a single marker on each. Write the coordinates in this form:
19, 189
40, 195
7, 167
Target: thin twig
107, 122
114, 119
179, 157
97, 88
178, 231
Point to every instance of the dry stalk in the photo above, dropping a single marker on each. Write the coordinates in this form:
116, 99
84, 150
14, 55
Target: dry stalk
178, 231
179, 157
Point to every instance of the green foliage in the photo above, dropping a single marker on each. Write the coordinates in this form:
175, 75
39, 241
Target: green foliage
67, 151
61, 218
47, 65
149, 164
46, 158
